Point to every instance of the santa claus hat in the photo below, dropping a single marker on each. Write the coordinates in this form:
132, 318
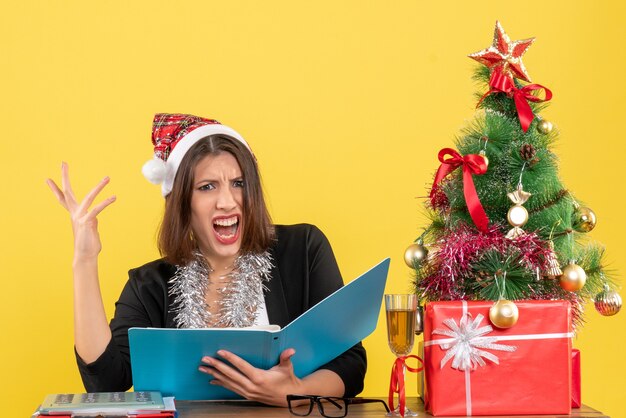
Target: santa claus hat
173, 134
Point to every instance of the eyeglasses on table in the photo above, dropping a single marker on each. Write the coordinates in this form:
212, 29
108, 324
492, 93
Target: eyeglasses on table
328, 406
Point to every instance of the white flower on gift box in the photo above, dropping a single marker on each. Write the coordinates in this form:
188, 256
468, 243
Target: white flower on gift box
467, 343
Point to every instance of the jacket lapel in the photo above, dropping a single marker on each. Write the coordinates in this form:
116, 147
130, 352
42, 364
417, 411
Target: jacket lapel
275, 302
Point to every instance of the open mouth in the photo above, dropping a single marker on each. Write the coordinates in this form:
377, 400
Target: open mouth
226, 229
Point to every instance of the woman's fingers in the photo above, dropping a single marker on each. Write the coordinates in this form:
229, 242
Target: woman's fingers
231, 378
240, 364
91, 196
100, 206
70, 200
285, 358
66, 198
267, 386
57, 192
83, 214
224, 369
223, 381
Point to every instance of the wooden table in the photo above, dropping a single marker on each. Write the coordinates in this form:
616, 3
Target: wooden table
246, 409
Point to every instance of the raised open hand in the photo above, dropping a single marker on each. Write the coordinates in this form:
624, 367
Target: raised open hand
87, 243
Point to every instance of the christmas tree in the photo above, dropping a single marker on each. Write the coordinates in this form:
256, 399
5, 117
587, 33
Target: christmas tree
503, 225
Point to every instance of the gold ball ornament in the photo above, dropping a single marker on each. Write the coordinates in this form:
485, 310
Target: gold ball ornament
415, 254
573, 277
483, 154
584, 219
608, 302
544, 126
517, 216
504, 314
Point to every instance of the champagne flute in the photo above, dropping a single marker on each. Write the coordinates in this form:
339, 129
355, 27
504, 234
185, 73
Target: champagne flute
401, 313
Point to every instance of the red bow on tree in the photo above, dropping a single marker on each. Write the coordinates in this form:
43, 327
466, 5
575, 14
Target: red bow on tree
503, 83
472, 164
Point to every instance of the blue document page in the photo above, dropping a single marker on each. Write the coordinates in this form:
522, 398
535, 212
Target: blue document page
167, 360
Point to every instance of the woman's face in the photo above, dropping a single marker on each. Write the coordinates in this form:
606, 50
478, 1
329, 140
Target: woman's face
217, 207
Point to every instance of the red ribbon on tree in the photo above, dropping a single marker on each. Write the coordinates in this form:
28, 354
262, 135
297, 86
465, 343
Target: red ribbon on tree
503, 83
397, 380
472, 164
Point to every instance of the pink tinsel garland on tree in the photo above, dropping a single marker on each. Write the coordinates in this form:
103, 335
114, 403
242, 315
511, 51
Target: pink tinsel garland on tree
457, 249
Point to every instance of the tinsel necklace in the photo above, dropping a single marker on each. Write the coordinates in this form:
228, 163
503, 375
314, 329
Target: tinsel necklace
241, 297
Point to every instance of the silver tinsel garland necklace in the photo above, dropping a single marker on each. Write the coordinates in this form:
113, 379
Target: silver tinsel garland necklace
241, 297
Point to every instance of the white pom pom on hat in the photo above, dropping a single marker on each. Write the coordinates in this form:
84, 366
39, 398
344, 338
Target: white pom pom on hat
155, 170
173, 134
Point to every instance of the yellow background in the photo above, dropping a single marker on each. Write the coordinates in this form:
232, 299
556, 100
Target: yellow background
346, 105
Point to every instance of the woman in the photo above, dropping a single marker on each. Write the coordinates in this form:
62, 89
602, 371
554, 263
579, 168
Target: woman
224, 265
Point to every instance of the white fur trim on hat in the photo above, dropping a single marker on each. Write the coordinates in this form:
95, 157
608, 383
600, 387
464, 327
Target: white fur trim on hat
181, 148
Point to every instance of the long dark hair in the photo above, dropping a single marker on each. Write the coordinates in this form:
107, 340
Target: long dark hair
175, 238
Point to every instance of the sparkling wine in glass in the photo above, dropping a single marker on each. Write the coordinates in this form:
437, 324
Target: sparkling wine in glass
401, 313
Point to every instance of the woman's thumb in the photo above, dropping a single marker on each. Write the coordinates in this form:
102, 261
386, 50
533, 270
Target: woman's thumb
285, 357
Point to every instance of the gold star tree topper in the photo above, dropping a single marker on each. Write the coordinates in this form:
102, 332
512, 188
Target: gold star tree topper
505, 54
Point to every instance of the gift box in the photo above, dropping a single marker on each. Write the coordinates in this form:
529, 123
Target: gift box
420, 374
576, 402
474, 368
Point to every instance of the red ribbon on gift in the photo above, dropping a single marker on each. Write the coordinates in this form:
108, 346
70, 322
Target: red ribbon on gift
472, 164
396, 384
503, 83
